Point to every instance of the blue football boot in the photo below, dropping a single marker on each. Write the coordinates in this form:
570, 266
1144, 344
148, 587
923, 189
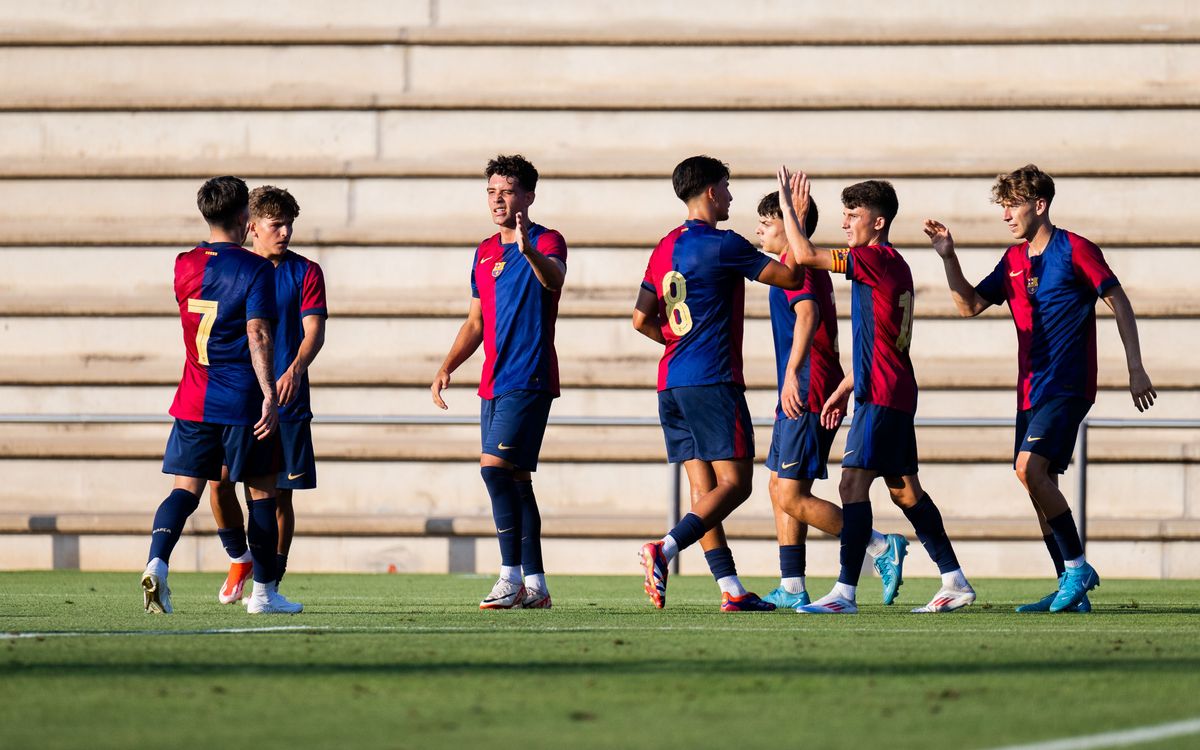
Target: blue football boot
782, 598
1076, 582
1043, 604
890, 566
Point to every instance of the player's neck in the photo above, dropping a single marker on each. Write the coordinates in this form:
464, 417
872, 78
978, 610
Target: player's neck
1041, 238
705, 212
508, 235
216, 235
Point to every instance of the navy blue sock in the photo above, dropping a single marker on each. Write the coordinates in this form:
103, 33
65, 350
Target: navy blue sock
506, 512
688, 531
926, 520
1055, 554
262, 531
531, 531
234, 541
1067, 535
791, 560
169, 519
280, 567
857, 519
720, 562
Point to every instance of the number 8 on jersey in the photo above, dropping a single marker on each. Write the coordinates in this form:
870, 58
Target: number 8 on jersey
674, 292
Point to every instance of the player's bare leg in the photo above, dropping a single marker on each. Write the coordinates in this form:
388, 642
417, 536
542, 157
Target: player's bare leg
1078, 576
791, 535
702, 479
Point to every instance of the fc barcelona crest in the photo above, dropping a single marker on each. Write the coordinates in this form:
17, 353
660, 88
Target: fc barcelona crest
1031, 285
497, 269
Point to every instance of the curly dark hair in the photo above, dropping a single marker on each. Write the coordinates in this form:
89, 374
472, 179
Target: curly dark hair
270, 202
516, 167
1024, 184
877, 195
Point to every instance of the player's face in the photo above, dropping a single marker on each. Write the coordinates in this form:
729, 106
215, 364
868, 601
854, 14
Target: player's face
771, 236
721, 198
861, 225
1023, 218
506, 199
271, 236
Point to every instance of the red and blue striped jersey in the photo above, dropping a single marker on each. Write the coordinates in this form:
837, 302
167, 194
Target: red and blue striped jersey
1052, 297
821, 371
219, 287
698, 273
299, 292
881, 315
518, 315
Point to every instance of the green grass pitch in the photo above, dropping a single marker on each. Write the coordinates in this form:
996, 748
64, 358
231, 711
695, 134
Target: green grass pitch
397, 661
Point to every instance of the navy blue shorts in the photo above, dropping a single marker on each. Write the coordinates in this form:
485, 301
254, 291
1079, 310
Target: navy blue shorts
1049, 430
299, 470
706, 422
513, 424
882, 440
800, 447
200, 449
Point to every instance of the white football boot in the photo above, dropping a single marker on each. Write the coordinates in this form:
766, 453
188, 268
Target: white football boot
947, 600
156, 595
830, 604
269, 601
505, 595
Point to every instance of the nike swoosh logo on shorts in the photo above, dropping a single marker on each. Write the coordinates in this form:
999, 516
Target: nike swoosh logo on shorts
1032, 440
503, 447
847, 453
296, 476
788, 466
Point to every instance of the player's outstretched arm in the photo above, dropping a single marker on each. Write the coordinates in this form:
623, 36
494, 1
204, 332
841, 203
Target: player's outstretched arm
470, 336
838, 403
645, 317
258, 336
794, 200
550, 272
966, 300
807, 318
314, 339
1140, 386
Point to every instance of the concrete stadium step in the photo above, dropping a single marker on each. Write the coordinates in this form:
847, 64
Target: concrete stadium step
650, 21
580, 401
417, 143
590, 350
589, 212
746, 77
428, 281
566, 444
1147, 491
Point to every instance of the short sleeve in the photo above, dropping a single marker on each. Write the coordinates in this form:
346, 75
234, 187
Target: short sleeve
474, 265
1090, 266
312, 292
551, 244
260, 298
993, 285
806, 291
738, 255
840, 261
865, 265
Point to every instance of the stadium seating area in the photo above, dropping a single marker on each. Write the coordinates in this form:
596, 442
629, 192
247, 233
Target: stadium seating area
378, 116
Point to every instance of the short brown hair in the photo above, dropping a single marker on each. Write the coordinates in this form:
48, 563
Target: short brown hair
1021, 185
877, 195
222, 200
769, 208
515, 167
270, 202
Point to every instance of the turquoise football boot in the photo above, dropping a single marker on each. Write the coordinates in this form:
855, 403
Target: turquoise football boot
1076, 582
782, 598
1043, 604
890, 566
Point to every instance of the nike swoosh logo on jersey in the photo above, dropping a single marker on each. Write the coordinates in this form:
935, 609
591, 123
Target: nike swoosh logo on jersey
487, 260
1015, 273
788, 466
503, 447
296, 476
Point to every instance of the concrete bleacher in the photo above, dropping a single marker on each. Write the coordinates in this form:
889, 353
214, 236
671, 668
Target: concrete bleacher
379, 116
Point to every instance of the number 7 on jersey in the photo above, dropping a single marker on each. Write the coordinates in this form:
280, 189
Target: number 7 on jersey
208, 315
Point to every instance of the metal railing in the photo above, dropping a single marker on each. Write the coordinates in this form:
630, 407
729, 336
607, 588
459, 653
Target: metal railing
676, 483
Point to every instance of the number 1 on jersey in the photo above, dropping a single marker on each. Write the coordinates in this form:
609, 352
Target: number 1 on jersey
674, 291
905, 338
208, 315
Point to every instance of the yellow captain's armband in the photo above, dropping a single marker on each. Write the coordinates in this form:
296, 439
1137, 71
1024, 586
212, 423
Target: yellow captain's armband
840, 259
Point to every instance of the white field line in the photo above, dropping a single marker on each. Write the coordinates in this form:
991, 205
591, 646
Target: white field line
490, 628
1120, 738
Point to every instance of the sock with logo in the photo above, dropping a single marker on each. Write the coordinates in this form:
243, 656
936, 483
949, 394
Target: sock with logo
856, 532
531, 530
169, 520
234, 542
1066, 534
686, 533
506, 512
262, 531
1055, 554
926, 520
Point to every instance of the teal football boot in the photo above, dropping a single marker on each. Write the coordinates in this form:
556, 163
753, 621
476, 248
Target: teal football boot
1076, 582
1043, 604
890, 566
781, 598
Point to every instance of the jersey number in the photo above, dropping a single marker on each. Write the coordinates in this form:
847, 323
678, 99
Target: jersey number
208, 315
905, 337
674, 291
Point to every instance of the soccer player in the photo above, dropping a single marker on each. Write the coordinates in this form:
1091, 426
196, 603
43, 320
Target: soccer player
691, 302
804, 326
299, 336
882, 440
225, 409
1050, 280
516, 277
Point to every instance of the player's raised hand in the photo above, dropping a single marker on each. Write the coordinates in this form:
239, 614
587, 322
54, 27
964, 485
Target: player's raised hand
801, 190
523, 243
939, 235
784, 176
440, 383
1142, 389
269, 420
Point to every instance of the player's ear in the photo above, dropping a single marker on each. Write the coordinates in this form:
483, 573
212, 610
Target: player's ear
531, 196
880, 223
1040, 206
